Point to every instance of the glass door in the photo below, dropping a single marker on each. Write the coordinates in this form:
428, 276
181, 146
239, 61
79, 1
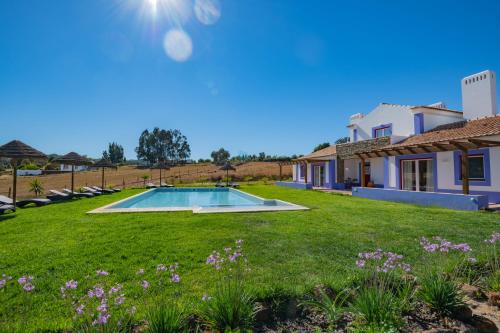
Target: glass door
319, 176
417, 175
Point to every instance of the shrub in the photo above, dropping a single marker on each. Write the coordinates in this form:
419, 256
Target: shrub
36, 187
248, 179
231, 307
265, 180
331, 307
376, 310
166, 319
441, 294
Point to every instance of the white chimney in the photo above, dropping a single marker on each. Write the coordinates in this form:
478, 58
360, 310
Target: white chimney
479, 97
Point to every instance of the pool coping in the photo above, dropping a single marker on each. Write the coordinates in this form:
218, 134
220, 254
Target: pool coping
197, 209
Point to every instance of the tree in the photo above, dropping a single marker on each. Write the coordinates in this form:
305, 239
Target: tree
163, 145
114, 153
36, 187
220, 156
262, 156
344, 139
321, 146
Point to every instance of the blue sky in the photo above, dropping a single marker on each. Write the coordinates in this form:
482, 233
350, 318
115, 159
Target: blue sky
278, 76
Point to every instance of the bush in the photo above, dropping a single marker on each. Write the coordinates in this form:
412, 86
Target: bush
166, 319
36, 187
376, 310
440, 294
331, 307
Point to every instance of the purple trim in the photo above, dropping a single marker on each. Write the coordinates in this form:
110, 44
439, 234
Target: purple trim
446, 200
416, 157
457, 156
386, 171
300, 186
380, 127
418, 121
493, 197
355, 135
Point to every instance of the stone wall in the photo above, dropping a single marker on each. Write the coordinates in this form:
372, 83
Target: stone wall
349, 150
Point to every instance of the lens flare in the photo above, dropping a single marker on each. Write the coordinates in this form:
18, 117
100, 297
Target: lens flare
207, 11
178, 45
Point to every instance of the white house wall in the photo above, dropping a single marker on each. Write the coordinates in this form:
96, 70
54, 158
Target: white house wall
432, 120
377, 170
399, 116
446, 174
392, 171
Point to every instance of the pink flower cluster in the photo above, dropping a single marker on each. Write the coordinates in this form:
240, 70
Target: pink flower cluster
4, 280
174, 276
442, 245
217, 260
391, 261
25, 281
493, 239
101, 273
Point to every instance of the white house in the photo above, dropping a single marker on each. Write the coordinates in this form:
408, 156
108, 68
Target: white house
419, 148
67, 167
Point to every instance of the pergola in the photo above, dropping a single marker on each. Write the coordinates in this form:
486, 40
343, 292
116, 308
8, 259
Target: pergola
284, 163
433, 146
73, 159
17, 151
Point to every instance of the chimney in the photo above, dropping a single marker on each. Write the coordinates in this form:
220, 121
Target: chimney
479, 97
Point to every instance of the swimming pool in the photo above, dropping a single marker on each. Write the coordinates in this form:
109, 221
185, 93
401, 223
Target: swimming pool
198, 200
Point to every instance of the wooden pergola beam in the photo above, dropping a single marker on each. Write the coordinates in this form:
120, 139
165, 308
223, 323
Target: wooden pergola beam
481, 142
459, 145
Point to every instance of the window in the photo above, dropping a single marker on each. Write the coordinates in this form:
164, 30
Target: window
302, 171
417, 175
382, 131
476, 168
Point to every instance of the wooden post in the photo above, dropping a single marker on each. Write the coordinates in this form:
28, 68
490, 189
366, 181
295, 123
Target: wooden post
305, 173
281, 167
102, 178
363, 178
465, 171
14, 185
72, 178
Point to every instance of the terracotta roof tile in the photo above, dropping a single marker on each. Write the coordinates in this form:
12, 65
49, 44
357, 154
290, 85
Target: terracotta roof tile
456, 131
328, 151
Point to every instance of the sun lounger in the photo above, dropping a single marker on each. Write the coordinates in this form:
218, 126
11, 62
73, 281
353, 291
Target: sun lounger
4, 208
58, 196
91, 190
103, 190
21, 203
166, 185
220, 185
234, 185
77, 194
151, 185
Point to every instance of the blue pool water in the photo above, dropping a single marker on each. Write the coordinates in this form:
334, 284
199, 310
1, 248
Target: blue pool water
194, 197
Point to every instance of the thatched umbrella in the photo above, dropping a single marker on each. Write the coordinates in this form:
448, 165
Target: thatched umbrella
162, 166
18, 151
227, 166
73, 159
103, 163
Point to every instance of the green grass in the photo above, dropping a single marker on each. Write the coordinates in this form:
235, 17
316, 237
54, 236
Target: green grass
288, 250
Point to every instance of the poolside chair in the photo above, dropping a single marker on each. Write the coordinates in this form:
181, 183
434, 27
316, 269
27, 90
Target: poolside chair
102, 190
166, 185
219, 184
151, 185
91, 190
58, 196
234, 185
77, 194
4, 208
21, 203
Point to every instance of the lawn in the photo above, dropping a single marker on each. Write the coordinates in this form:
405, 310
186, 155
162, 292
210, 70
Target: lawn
290, 250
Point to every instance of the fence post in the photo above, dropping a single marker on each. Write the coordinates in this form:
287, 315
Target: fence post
123, 183
10, 192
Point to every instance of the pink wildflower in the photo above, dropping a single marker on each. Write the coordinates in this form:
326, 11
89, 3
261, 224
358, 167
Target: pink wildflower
145, 284
79, 309
119, 300
116, 288
205, 297
24, 279
71, 284
102, 273
161, 268
493, 239
28, 287
140, 271
102, 319
176, 278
